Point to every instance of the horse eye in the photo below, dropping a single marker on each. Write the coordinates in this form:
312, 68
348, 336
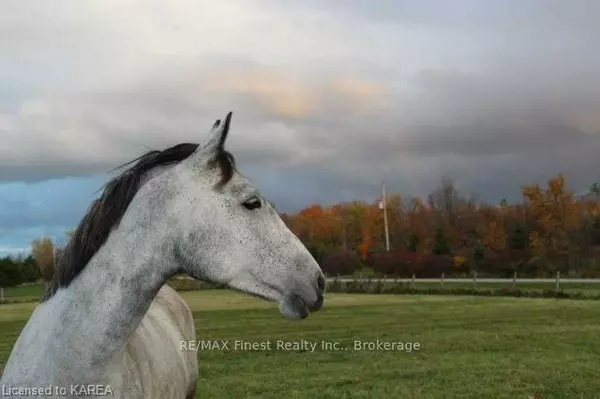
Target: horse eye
252, 203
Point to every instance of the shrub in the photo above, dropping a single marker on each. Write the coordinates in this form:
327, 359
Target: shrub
376, 286
342, 262
405, 264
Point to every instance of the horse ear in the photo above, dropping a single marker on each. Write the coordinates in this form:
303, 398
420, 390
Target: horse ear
216, 140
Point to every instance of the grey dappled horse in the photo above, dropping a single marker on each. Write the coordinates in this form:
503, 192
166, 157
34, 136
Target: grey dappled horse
108, 317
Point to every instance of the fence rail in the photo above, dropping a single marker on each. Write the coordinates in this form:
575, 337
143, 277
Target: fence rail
557, 281
470, 280
473, 281
463, 280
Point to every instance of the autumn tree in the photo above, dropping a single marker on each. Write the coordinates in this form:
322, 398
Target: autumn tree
589, 209
494, 235
42, 250
497, 238
447, 203
557, 216
368, 229
418, 226
339, 229
356, 225
444, 201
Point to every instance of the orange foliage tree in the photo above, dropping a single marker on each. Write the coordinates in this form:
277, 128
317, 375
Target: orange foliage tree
557, 215
42, 250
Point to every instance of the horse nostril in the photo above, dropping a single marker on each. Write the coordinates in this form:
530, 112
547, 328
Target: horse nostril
321, 283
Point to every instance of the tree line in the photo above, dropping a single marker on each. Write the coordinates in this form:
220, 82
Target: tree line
448, 232
38, 266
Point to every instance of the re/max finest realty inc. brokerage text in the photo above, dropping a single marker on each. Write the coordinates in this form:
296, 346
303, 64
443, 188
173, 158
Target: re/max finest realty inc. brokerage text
299, 345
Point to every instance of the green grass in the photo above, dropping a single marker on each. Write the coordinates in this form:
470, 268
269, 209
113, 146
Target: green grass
33, 292
588, 289
26, 292
470, 347
566, 287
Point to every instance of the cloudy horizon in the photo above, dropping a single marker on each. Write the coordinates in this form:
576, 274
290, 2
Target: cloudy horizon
330, 98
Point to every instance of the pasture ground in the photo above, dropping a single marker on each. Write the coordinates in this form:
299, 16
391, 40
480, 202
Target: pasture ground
32, 292
470, 347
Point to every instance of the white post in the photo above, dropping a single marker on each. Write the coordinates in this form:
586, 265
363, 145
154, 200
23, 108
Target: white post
474, 278
412, 283
514, 283
557, 281
1, 294
442, 281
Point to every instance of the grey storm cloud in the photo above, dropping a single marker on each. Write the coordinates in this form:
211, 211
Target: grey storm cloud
330, 97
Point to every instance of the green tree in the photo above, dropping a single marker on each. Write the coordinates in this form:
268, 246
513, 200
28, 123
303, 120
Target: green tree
440, 243
30, 269
518, 237
478, 256
10, 273
413, 241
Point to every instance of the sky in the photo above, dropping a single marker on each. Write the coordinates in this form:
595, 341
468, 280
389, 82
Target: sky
330, 98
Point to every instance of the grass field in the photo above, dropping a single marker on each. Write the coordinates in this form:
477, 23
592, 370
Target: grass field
33, 292
470, 347
587, 289
28, 292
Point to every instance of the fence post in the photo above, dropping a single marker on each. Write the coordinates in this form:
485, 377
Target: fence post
412, 283
1, 294
514, 283
557, 288
474, 278
442, 281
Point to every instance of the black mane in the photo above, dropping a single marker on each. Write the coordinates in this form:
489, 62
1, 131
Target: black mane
106, 212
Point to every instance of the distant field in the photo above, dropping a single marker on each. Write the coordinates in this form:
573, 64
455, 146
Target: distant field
25, 292
35, 291
470, 347
593, 289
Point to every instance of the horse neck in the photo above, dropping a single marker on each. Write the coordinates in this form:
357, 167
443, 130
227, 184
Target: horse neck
103, 306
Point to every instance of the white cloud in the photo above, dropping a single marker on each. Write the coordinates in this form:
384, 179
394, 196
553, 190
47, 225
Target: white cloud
340, 86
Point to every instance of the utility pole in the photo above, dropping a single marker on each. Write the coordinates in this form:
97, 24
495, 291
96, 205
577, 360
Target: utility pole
344, 237
383, 205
